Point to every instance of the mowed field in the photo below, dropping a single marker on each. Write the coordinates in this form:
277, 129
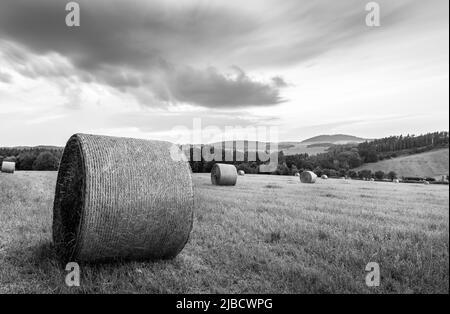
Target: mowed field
267, 234
429, 164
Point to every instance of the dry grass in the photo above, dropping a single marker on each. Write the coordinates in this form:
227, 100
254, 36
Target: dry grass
429, 164
296, 238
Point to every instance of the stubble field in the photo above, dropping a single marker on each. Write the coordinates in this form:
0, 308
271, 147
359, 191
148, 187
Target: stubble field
267, 234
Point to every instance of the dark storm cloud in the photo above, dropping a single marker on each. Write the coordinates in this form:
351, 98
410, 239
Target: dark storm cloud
210, 88
163, 49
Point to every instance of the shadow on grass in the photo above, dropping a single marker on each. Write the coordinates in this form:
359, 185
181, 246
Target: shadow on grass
38, 269
273, 186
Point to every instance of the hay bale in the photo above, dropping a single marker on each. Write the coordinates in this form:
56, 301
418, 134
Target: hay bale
372, 179
241, 173
308, 177
324, 176
426, 182
396, 181
223, 174
8, 166
297, 174
121, 198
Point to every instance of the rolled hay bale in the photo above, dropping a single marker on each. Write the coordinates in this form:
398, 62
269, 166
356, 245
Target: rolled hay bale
297, 174
372, 179
223, 174
396, 181
308, 177
324, 176
121, 198
241, 173
8, 166
426, 182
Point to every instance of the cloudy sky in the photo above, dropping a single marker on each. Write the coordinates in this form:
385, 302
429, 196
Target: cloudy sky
144, 68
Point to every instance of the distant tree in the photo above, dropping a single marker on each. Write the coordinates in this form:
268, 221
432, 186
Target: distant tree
342, 172
392, 175
365, 174
318, 171
333, 173
46, 161
352, 174
355, 160
25, 161
379, 175
10, 158
282, 170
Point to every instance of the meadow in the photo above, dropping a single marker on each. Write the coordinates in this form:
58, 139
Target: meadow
267, 234
433, 164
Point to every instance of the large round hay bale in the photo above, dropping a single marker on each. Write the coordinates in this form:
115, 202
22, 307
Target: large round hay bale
308, 177
297, 174
241, 173
8, 166
121, 198
223, 174
324, 176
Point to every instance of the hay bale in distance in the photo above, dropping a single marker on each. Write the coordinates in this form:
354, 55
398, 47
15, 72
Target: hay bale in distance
241, 173
8, 166
223, 174
426, 182
308, 177
297, 174
372, 179
121, 198
396, 181
324, 176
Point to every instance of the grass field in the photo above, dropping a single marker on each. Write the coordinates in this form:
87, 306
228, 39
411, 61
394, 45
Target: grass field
266, 234
432, 164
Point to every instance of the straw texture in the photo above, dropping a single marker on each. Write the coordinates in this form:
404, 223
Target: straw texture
308, 177
223, 174
120, 198
8, 166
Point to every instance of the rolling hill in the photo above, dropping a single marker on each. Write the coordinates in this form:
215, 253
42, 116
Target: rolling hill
335, 139
312, 146
429, 164
319, 144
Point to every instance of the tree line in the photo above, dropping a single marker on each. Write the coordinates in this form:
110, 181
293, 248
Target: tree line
337, 161
32, 158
